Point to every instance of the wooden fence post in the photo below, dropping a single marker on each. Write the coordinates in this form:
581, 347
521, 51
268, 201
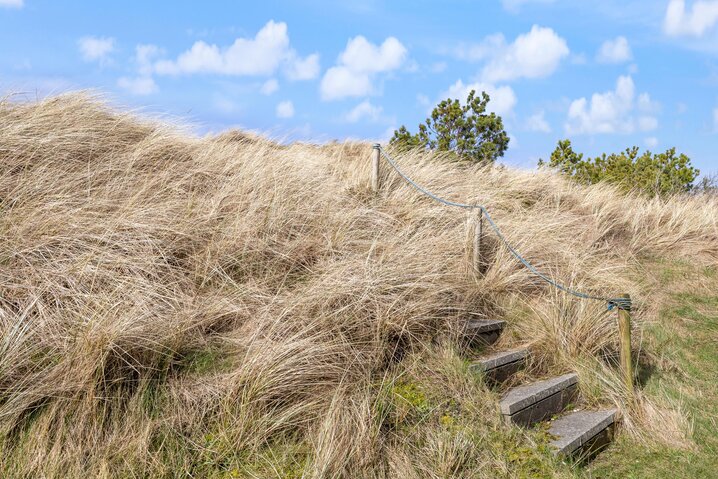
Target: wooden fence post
624, 330
375, 167
478, 235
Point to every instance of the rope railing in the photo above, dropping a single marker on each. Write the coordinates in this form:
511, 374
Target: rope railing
622, 303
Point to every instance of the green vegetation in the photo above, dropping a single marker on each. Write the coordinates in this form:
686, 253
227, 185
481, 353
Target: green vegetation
652, 174
440, 414
684, 339
466, 130
226, 306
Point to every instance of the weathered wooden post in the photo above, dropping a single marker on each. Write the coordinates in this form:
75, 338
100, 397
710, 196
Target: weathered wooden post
375, 167
624, 331
478, 235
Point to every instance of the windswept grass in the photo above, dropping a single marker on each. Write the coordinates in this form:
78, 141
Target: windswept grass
683, 343
173, 306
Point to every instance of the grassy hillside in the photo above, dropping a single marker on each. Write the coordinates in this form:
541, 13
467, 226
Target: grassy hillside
173, 306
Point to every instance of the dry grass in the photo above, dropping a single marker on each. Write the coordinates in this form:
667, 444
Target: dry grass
227, 306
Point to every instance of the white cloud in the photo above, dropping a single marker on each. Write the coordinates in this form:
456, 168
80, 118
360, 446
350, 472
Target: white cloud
12, 3
142, 85
616, 50
303, 68
503, 98
537, 122
360, 55
534, 54
269, 87
701, 18
715, 119
612, 111
364, 110
645, 104
357, 66
144, 55
651, 142
515, 5
96, 48
285, 109
258, 56
482, 50
339, 82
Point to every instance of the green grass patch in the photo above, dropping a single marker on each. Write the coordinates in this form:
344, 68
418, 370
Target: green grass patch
205, 361
686, 335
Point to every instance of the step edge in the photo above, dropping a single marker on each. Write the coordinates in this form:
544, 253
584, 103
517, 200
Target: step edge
479, 326
542, 404
608, 419
501, 359
553, 385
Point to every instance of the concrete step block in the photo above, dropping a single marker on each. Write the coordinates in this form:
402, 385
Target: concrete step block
526, 405
500, 366
583, 433
483, 332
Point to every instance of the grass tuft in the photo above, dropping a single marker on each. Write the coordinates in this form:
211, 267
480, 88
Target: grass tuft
227, 306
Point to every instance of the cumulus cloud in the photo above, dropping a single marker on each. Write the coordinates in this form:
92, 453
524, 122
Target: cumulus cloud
651, 142
358, 65
537, 122
142, 85
269, 87
303, 68
96, 48
694, 22
285, 109
259, 56
503, 98
364, 110
613, 111
144, 55
12, 3
534, 54
616, 50
340, 82
361, 55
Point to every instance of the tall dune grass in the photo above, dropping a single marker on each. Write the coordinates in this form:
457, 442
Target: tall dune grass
182, 306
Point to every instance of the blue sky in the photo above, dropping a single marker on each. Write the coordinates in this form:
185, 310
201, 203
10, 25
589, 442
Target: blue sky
606, 74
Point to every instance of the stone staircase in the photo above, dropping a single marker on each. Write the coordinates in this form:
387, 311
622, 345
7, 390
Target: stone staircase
580, 434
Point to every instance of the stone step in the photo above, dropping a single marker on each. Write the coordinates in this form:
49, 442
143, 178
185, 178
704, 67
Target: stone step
500, 366
483, 332
583, 433
526, 405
